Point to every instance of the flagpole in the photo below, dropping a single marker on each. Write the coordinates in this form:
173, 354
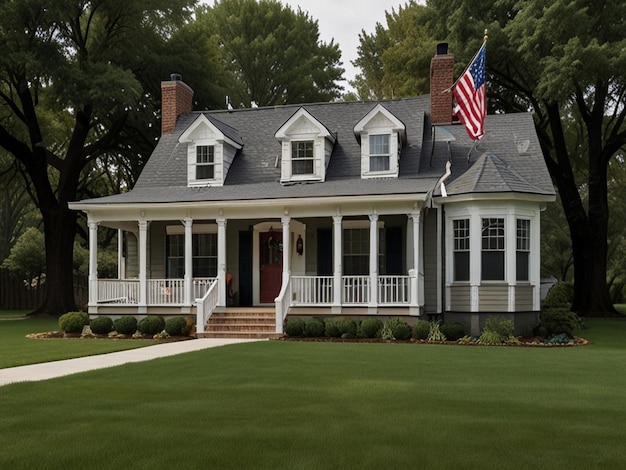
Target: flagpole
447, 90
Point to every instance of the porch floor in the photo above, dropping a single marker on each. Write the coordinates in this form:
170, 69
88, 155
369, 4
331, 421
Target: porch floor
241, 322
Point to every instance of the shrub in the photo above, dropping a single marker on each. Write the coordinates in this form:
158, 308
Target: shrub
176, 326
314, 328
347, 328
73, 322
125, 325
490, 337
421, 329
294, 327
395, 328
434, 332
501, 326
331, 329
151, 325
560, 295
370, 328
556, 321
453, 331
101, 325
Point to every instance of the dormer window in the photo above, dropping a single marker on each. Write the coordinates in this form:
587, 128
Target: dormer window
302, 157
306, 146
211, 148
205, 162
380, 134
379, 152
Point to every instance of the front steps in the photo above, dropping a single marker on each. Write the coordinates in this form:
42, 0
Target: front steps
241, 322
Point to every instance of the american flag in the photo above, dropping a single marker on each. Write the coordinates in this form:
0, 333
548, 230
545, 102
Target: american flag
470, 95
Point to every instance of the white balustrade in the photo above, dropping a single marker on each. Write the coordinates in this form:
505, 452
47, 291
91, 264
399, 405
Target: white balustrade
311, 290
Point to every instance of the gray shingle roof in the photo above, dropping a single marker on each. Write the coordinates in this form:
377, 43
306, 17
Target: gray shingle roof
495, 165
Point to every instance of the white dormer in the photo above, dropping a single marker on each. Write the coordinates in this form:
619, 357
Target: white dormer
306, 146
210, 153
381, 135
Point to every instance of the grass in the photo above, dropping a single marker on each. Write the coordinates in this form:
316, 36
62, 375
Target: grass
12, 314
17, 350
332, 405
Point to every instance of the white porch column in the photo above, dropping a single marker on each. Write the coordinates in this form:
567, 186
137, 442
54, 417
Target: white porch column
373, 261
143, 266
188, 223
337, 262
286, 247
221, 261
510, 246
93, 263
417, 283
121, 261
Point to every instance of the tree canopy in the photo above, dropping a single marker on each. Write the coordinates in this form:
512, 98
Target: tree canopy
566, 62
273, 54
80, 86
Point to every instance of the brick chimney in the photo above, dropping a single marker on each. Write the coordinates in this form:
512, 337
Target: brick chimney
176, 99
441, 78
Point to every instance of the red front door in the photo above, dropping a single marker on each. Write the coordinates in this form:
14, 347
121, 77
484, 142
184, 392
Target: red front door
271, 265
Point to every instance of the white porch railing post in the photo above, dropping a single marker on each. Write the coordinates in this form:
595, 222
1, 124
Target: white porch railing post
143, 266
337, 261
93, 263
188, 223
221, 261
373, 260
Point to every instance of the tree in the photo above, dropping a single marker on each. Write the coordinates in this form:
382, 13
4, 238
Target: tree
392, 60
566, 62
88, 71
273, 54
26, 259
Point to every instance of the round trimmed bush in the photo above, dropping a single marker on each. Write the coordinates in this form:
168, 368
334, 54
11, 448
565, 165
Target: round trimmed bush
73, 322
151, 325
560, 295
421, 329
370, 328
401, 330
176, 326
125, 325
453, 331
314, 328
347, 328
294, 327
331, 329
101, 325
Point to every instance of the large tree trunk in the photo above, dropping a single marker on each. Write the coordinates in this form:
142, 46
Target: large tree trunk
59, 231
589, 229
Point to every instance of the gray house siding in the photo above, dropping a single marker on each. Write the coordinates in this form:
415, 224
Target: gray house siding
431, 262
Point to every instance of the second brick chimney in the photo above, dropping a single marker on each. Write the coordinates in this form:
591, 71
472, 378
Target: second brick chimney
441, 79
176, 99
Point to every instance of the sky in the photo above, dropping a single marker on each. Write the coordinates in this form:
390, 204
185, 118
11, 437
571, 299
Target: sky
343, 20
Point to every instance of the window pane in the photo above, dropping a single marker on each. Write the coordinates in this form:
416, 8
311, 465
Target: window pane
356, 251
302, 167
492, 266
379, 144
461, 266
521, 265
379, 163
204, 172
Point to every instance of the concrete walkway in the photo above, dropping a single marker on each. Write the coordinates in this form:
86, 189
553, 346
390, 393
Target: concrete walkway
50, 370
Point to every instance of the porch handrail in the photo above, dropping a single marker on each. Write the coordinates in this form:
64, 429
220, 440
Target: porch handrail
205, 305
312, 290
118, 291
282, 303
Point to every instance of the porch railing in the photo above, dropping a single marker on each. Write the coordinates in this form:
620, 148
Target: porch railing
206, 304
394, 290
355, 290
118, 291
160, 291
282, 303
311, 290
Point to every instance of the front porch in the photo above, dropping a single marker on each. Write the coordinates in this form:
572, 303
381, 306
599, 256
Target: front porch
202, 295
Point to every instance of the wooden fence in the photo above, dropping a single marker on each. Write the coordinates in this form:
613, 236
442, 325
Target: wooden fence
15, 295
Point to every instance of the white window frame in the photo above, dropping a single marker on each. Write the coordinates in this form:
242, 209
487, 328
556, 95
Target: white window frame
306, 159
373, 154
210, 163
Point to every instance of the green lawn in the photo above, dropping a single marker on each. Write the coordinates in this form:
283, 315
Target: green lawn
17, 350
331, 405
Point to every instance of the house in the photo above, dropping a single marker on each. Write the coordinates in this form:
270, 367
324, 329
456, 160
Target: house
329, 209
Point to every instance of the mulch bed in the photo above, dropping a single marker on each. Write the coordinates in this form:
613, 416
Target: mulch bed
523, 342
